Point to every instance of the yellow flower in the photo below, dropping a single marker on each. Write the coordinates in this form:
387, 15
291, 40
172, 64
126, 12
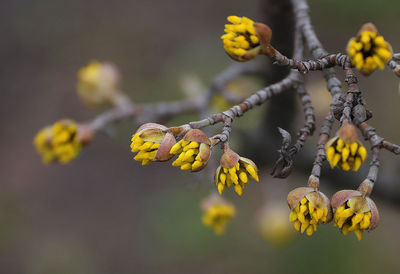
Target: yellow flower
244, 39
344, 150
309, 208
97, 82
152, 142
217, 213
234, 170
59, 142
240, 36
369, 50
194, 151
274, 225
354, 213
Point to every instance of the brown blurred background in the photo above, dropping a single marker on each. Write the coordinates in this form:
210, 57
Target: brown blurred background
104, 213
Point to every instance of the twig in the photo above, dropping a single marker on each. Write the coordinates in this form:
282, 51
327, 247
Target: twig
255, 99
323, 138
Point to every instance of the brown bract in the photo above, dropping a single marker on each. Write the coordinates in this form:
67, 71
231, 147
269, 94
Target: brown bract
347, 132
264, 34
229, 158
369, 27
196, 135
85, 134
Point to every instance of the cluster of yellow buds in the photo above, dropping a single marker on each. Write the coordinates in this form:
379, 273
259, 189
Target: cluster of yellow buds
233, 170
369, 50
309, 208
274, 226
97, 82
344, 150
62, 141
244, 39
194, 151
217, 213
152, 142
353, 212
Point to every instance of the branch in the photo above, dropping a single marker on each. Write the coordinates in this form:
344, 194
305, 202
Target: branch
258, 98
315, 47
125, 109
323, 138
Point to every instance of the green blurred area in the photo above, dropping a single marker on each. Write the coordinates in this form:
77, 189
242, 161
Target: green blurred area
104, 213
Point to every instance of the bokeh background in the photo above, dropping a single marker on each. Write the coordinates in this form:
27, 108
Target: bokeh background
104, 213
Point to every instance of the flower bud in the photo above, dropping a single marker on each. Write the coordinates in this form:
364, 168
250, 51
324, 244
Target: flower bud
244, 39
194, 151
369, 50
217, 213
152, 142
97, 82
234, 170
61, 142
344, 150
353, 212
309, 208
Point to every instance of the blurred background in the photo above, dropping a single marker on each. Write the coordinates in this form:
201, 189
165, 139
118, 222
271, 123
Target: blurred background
104, 213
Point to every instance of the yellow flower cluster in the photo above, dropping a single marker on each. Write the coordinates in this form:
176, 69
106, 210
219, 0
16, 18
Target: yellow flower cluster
192, 155
347, 220
146, 149
97, 82
368, 51
152, 142
345, 155
240, 36
217, 216
237, 176
306, 217
58, 142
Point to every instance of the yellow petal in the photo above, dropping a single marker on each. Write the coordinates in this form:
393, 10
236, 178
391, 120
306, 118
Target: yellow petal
345, 154
221, 188
243, 177
297, 225
146, 162
234, 19
252, 172
310, 208
330, 153
320, 213
186, 166
378, 61
345, 166
310, 230
175, 148
222, 177
304, 226
364, 224
339, 145
359, 234
336, 160
357, 163
196, 165
347, 213
353, 148
238, 190
292, 216
363, 153
345, 229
